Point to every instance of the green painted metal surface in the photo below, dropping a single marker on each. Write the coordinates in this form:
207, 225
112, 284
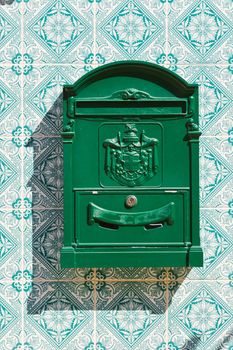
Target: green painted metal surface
131, 173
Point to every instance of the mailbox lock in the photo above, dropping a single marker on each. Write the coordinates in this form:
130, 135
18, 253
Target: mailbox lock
131, 201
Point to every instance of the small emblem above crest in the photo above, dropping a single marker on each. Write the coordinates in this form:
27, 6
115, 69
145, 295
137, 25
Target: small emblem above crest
132, 157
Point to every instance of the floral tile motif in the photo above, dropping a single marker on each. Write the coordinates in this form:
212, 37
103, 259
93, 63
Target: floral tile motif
8, 100
8, 314
202, 28
9, 249
223, 56
44, 96
215, 172
37, 128
147, 308
43, 296
130, 28
46, 182
59, 311
43, 238
155, 339
9, 123
226, 7
109, 293
9, 26
58, 28
221, 144
7, 172
43, 102
106, 340
10, 173
169, 54
222, 130
200, 315
104, 8
130, 310
78, 339
10, 320
216, 241
222, 199
45, 86
130, 273
44, 241
213, 99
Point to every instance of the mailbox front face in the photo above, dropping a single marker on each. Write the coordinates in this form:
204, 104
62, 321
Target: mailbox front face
131, 169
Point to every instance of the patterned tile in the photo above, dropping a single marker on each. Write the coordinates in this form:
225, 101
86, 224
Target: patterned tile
106, 339
214, 98
43, 97
127, 29
223, 57
10, 246
200, 315
201, 29
9, 104
9, 170
130, 273
43, 239
222, 131
44, 87
43, 242
129, 311
224, 6
58, 313
10, 25
44, 45
215, 173
10, 320
10, 185
46, 182
217, 243
221, 145
57, 29
109, 294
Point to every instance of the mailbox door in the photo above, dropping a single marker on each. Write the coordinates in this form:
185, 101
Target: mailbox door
135, 218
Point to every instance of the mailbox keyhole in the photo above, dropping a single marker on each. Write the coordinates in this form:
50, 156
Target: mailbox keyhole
107, 225
153, 226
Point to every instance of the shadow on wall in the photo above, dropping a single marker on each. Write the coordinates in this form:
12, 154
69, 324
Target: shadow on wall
54, 288
6, 2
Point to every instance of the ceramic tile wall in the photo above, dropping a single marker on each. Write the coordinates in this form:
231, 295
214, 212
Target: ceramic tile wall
43, 45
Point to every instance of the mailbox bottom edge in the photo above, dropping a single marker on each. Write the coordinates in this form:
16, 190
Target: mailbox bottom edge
131, 257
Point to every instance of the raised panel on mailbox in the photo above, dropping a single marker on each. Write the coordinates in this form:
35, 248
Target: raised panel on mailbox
131, 169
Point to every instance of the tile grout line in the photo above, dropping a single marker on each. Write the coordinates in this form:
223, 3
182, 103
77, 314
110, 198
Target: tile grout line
94, 309
94, 32
180, 280
166, 29
54, 64
22, 166
78, 280
166, 307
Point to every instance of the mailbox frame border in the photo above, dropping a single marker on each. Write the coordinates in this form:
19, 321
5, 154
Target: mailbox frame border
191, 255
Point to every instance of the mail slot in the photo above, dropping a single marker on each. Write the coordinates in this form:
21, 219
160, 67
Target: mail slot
131, 173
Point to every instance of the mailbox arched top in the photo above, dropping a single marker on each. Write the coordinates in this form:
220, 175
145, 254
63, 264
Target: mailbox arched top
148, 71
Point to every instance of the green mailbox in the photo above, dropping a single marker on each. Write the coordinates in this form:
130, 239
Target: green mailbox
131, 173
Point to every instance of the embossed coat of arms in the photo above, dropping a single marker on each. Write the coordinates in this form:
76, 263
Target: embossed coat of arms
132, 157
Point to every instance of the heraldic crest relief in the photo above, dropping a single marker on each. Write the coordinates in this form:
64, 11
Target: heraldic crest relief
132, 157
